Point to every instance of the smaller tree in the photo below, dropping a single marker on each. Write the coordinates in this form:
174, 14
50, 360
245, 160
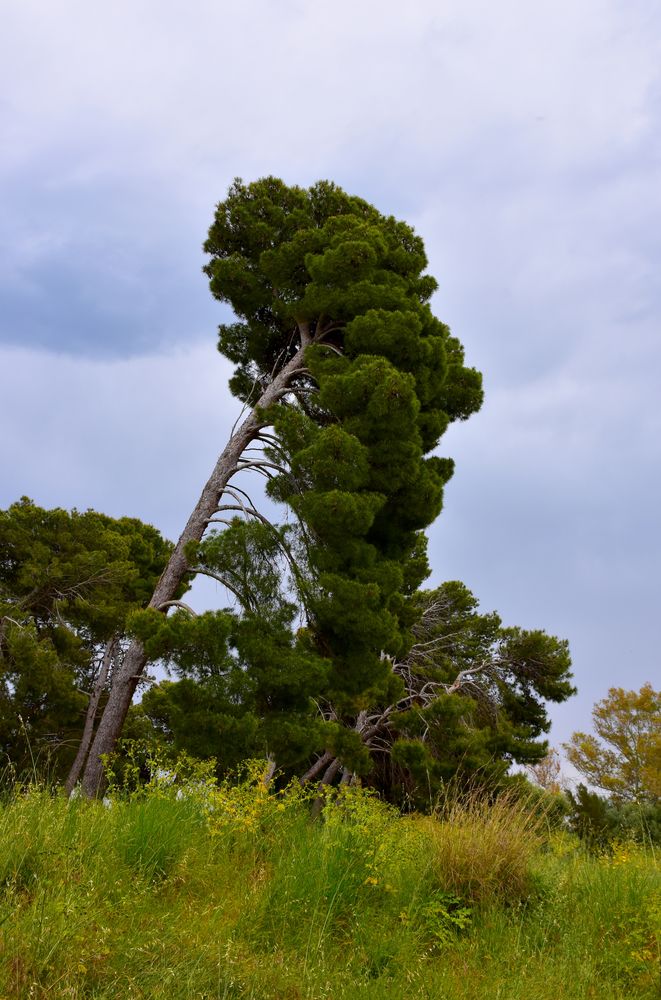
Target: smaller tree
547, 772
624, 758
471, 701
68, 580
600, 822
592, 818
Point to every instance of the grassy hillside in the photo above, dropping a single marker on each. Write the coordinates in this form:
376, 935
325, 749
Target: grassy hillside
235, 893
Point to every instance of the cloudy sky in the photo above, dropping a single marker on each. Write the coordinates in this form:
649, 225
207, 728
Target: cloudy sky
522, 140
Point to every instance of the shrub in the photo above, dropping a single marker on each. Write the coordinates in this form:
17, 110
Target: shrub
600, 823
483, 850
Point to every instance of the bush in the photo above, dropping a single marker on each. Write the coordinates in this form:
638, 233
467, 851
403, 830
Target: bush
600, 823
483, 850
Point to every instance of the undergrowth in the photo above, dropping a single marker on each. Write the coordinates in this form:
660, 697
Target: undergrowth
182, 888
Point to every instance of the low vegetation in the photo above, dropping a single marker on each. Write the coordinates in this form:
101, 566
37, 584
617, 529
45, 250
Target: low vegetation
185, 888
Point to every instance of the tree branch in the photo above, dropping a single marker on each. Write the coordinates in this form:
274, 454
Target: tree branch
222, 580
178, 604
317, 768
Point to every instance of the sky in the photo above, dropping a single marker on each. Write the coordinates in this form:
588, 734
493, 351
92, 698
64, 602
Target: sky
521, 140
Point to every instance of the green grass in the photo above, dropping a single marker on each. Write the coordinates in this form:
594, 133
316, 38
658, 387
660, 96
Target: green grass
233, 893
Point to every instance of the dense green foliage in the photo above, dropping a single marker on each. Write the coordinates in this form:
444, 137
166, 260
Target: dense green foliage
245, 681
384, 378
602, 822
68, 581
477, 696
474, 693
192, 890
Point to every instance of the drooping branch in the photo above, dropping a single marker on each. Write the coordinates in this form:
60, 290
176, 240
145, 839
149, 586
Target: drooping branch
331, 347
242, 598
270, 441
250, 511
261, 465
178, 604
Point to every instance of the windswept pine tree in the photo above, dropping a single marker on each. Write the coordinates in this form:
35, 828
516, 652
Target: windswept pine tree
348, 381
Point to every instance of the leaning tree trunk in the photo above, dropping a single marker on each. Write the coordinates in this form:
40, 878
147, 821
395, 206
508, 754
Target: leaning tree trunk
126, 678
90, 717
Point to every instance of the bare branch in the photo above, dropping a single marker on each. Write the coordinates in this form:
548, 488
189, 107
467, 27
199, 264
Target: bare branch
465, 675
331, 771
317, 767
331, 347
321, 331
261, 463
6, 618
178, 604
233, 490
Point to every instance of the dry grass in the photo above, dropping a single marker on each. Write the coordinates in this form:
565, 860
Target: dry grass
483, 850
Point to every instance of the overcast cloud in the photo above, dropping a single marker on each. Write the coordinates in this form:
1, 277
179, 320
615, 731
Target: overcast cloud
522, 141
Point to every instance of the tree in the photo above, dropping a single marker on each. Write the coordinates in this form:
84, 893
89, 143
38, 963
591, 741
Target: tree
337, 351
471, 700
469, 695
68, 580
601, 821
547, 772
592, 818
624, 757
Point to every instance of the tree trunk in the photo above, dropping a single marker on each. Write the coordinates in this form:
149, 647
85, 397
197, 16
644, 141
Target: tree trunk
90, 718
127, 676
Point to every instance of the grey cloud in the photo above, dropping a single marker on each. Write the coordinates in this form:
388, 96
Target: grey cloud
136, 437
102, 269
552, 518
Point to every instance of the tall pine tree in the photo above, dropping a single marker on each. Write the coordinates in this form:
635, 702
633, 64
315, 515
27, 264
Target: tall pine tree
349, 381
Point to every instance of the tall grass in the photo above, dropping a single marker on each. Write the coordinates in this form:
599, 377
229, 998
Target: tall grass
234, 892
484, 850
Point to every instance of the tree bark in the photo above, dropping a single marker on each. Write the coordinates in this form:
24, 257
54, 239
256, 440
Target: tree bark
90, 717
318, 766
127, 676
